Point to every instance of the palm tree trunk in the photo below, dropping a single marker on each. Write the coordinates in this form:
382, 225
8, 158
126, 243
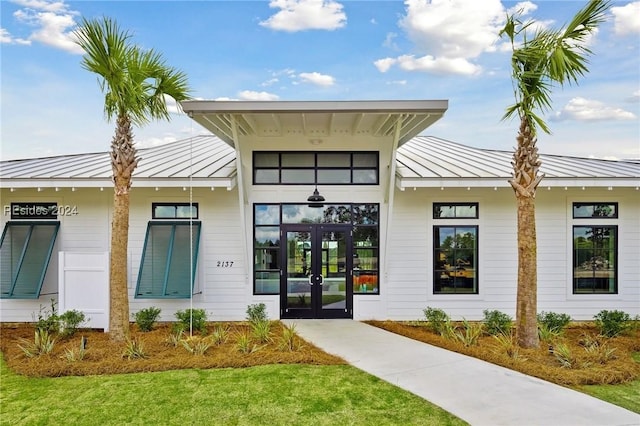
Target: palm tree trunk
526, 164
123, 163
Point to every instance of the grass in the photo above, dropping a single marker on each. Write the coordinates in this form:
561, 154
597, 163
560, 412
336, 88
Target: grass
626, 395
273, 394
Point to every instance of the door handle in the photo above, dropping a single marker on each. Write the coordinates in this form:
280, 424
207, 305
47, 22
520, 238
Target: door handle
310, 279
321, 279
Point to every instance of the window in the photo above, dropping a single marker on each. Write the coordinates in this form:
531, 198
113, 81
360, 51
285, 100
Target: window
589, 210
455, 210
326, 168
25, 252
168, 264
455, 254
266, 249
174, 210
595, 248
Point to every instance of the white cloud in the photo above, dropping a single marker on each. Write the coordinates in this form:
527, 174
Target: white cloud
448, 34
441, 65
317, 78
627, 18
635, 97
249, 95
300, 15
53, 22
7, 38
581, 109
523, 8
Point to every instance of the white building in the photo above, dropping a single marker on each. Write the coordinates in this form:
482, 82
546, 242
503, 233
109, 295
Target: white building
406, 222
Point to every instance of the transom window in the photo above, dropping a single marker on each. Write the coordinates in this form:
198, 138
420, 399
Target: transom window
455, 210
326, 168
174, 210
595, 248
587, 210
25, 251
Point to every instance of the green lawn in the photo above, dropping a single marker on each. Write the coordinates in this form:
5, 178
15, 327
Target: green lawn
625, 395
273, 395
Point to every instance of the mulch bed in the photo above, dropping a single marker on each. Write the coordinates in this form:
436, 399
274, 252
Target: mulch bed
588, 367
106, 357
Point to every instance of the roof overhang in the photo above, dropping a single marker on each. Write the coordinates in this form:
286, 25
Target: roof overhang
315, 119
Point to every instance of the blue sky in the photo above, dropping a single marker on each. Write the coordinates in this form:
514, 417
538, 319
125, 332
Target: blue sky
317, 50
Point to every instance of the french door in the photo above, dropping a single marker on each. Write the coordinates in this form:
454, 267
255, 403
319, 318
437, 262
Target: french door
316, 276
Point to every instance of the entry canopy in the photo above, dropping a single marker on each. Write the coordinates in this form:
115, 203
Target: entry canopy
314, 120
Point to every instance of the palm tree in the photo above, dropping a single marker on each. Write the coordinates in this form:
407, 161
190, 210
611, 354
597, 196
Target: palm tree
551, 57
135, 83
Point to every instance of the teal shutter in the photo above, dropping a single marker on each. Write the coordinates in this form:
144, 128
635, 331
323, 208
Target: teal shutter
25, 252
167, 269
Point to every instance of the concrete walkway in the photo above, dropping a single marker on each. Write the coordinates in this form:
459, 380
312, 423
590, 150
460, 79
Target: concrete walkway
476, 391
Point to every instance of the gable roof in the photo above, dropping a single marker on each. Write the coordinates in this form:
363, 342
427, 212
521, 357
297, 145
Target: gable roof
207, 161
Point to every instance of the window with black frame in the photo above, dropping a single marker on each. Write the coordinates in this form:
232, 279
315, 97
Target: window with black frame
319, 168
595, 248
455, 248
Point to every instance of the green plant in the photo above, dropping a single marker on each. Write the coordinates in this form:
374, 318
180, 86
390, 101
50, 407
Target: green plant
563, 354
42, 344
438, 321
257, 313
70, 321
244, 344
288, 340
174, 337
197, 345
146, 318
553, 321
469, 334
496, 322
261, 331
78, 354
508, 344
220, 334
134, 349
48, 319
612, 323
192, 319
546, 335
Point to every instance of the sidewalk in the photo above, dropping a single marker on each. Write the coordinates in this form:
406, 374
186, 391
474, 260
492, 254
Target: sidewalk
476, 391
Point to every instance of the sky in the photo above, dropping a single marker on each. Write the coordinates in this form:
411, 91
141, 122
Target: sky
308, 50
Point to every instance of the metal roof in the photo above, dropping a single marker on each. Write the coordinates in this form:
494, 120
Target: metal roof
199, 161
230, 120
207, 161
432, 162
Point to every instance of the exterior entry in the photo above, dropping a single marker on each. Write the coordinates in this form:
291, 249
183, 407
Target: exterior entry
316, 280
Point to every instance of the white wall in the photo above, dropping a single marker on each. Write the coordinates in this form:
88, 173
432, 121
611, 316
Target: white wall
407, 289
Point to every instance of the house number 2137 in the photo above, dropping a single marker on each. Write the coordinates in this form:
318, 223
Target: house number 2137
224, 263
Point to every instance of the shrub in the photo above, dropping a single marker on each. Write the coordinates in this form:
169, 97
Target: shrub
546, 335
48, 319
134, 349
612, 323
469, 334
565, 357
78, 354
261, 331
70, 322
196, 318
508, 343
146, 318
197, 345
220, 335
288, 340
553, 322
244, 343
438, 320
42, 344
496, 322
257, 313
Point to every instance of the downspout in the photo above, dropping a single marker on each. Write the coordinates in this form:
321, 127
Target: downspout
242, 196
389, 193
